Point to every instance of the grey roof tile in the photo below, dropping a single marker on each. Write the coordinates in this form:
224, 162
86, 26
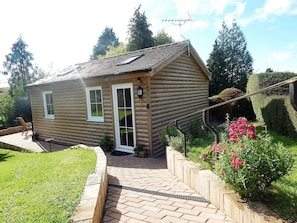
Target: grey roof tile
149, 61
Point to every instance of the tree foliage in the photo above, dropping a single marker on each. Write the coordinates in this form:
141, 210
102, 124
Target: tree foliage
230, 62
162, 38
113, 51
19, 67
139, 34
7, 108
107, 38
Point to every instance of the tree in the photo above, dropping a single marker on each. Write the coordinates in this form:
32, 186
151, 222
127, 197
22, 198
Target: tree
18, 65
140, 36
162, 38
107, 38
269, 70
113, 51
230, 62
7, 108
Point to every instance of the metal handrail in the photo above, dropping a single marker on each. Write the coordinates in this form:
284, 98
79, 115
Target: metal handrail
203, 111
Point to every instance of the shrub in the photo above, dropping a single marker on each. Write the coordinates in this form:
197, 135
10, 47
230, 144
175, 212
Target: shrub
166, 133
249, 163
194, 129
177, 142
235, 109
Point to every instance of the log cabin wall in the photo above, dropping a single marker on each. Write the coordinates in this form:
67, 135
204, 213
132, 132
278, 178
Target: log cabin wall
178, 89
70, 124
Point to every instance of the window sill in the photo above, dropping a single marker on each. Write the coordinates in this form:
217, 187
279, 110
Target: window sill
95, 120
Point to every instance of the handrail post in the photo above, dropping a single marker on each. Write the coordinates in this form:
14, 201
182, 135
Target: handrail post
205, 122
185, 138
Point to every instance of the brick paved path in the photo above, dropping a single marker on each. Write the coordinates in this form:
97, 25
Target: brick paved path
143, 190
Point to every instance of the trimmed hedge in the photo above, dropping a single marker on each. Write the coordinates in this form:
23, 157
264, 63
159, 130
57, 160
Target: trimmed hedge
240, 108
273, 106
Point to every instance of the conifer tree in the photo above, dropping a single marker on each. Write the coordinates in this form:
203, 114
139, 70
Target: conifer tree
230, 62
139, 34
18, 66
107, 39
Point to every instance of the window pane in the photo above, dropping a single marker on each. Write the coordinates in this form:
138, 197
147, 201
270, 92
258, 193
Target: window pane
98, 96
128, 97
120, 98
122, 117
130, 137
129, 118
92, 97
123, 134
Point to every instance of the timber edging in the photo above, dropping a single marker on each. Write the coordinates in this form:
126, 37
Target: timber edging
213, 189
91, 206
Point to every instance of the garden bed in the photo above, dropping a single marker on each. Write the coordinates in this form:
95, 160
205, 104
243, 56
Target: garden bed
206, 183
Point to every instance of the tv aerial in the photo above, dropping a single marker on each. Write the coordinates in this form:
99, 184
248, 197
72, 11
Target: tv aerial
179, 22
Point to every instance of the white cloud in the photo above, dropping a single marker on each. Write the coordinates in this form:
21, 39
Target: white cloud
276, 7
270, 9
281, 56
206, 7
239, 9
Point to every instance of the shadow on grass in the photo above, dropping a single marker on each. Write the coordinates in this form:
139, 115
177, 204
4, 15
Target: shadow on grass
4, 156
282, 202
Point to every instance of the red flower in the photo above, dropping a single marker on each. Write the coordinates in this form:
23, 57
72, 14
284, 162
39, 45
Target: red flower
236, 162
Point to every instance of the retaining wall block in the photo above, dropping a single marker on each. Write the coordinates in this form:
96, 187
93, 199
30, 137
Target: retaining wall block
188, 169
170, 156
205, 176
195, 179
179, 166
216, 189
233, 206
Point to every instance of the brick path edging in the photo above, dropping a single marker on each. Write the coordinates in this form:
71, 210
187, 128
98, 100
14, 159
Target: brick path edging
91, 206
208, 184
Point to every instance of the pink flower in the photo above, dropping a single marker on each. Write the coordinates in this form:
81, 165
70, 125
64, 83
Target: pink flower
202, 156
240, 128
236, 162
217, 147
251, 131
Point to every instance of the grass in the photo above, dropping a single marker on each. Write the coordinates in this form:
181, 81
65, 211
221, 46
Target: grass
282, 198
42, 187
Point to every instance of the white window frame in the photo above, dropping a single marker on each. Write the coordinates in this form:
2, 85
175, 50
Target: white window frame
89, 110
46, 115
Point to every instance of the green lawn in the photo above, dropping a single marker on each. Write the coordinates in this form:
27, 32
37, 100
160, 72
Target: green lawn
283, 195
42, 187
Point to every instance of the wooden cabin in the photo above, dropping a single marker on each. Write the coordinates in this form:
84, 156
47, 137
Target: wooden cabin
129, 97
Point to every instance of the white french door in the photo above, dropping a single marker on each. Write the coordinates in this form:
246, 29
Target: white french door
123, 105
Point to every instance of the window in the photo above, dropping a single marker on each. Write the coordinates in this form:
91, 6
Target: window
130, 60
94, 104
48, 104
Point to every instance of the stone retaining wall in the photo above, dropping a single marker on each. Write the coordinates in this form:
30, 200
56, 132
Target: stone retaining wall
208, 185
91, 206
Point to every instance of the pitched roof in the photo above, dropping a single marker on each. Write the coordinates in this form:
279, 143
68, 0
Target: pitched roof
147, 60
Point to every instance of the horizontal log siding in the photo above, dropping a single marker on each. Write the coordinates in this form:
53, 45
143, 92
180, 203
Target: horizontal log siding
70, 124
178, 89
142, 115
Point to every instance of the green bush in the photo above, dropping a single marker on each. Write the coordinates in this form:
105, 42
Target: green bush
250, 163
177, 142
273, 106
235, 109
166, 133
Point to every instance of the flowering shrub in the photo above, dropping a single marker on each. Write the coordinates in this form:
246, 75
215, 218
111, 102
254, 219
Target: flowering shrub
249, 163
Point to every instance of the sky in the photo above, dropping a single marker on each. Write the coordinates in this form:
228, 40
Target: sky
60, 33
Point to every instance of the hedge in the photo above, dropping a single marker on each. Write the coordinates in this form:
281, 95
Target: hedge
273, 106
